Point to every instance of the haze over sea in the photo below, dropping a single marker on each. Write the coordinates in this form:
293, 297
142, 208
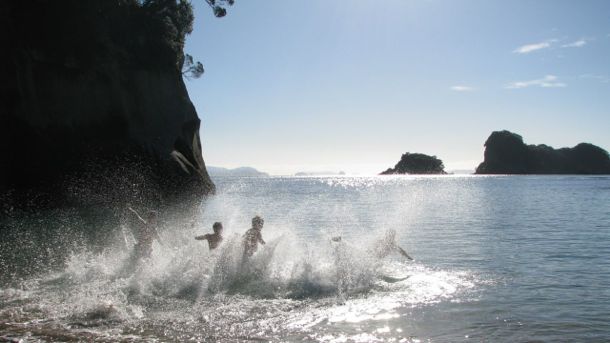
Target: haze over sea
498, 259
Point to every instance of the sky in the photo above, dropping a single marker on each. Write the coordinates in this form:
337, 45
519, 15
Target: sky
308, 85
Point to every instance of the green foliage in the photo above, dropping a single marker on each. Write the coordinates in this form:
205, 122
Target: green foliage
218, 6
191, 69
171, 19
100, 34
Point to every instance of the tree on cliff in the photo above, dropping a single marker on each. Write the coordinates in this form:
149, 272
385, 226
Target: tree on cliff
174, 21
94, 88
191, 69
415, 163
218, 6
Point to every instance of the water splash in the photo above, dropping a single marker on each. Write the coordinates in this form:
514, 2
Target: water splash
286, 286
299, 286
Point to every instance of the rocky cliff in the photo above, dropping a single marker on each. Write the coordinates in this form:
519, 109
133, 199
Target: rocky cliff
506, 153
415, 163
92, 102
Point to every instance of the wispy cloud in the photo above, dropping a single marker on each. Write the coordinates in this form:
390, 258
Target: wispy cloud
600, 78
462, 88
549, 81
576, 44
526, 49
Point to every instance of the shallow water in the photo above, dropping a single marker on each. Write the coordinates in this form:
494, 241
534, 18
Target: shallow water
496, 259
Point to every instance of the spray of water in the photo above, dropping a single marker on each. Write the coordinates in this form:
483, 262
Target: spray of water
294, 286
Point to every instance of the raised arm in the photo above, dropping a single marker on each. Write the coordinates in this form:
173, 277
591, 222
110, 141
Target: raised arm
202, 237
137, 215
403, 252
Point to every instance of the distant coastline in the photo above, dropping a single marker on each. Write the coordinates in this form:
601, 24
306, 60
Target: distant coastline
460, 171
235, 172
320, 173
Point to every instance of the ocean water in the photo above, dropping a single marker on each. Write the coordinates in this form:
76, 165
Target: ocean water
496, 259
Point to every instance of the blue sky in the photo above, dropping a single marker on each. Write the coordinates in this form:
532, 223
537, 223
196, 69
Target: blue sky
351, 85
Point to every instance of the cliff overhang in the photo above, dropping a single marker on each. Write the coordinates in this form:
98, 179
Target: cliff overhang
93, 103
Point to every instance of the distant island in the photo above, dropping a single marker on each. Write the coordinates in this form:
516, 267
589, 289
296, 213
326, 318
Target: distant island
461, 171
236, 172
416, 163
506, 153
319, 173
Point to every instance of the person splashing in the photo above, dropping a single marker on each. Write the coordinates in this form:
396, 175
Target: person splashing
145, 233
387, 245
213, 239
253, 236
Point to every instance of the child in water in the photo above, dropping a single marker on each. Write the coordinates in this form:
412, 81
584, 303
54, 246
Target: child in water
213, 239
383, 247
253, 236
145, 234
387, 244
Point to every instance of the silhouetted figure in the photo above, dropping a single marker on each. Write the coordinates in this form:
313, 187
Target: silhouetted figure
213, 239
387, 245
145, 233
253, 236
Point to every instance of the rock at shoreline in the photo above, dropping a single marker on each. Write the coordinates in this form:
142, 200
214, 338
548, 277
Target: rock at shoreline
92, 101
415, 163
506, 153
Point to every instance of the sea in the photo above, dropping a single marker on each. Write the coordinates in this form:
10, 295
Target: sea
495, 259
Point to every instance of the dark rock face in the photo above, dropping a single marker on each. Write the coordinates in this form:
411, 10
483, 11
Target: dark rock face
417, 164
92, 100
505, 153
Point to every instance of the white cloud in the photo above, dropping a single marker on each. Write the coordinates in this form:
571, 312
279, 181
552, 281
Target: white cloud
549, 81
576, 44
462, 88
526, 49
